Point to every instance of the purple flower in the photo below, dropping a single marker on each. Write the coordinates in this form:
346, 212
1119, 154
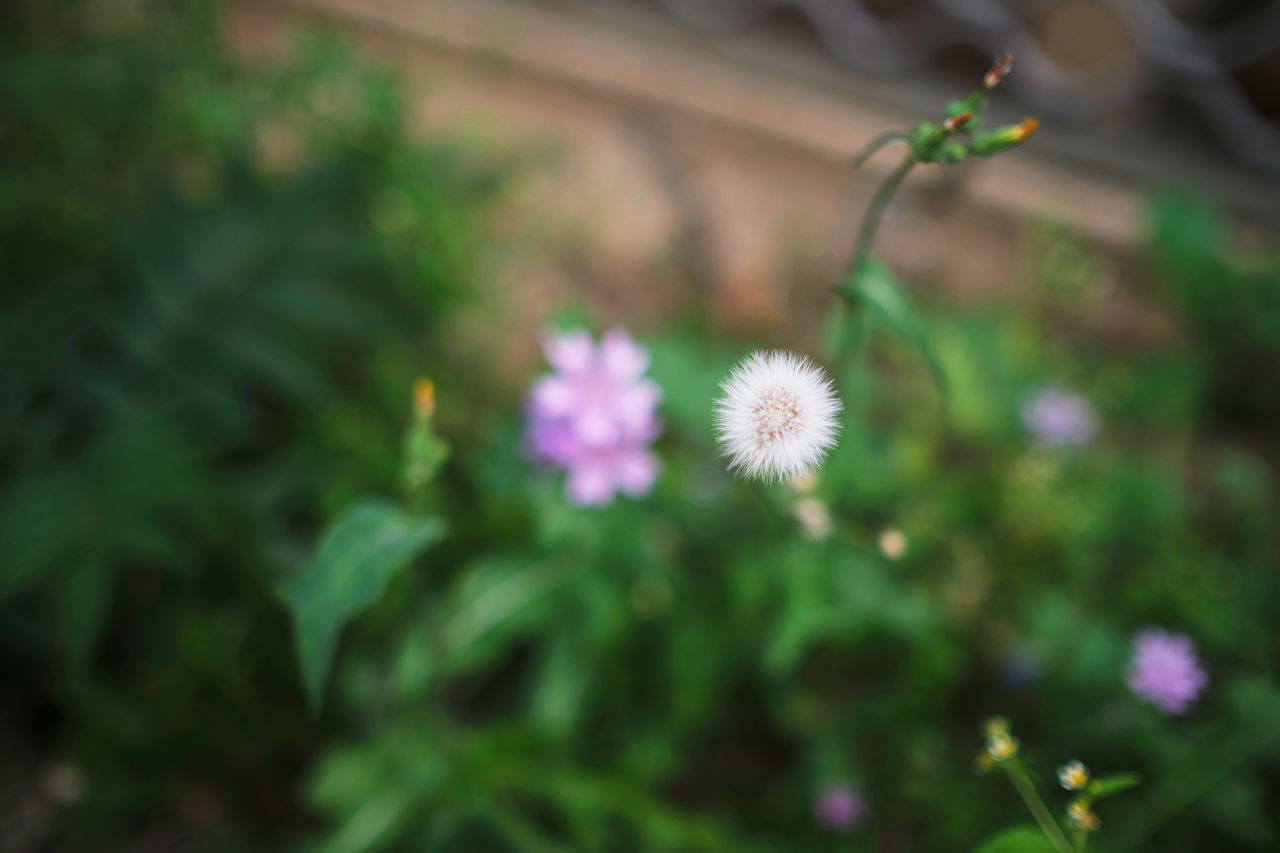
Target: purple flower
1019, 667
839, 808
594, 416
1165, 671
1056, 417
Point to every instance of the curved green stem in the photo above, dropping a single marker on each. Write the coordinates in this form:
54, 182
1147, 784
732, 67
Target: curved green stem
876, 210
853, 340
875, 145
1027, 791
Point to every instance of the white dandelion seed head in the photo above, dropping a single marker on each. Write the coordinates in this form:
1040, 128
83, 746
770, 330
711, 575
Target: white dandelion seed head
776, 416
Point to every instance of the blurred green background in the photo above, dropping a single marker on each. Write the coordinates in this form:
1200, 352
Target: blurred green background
208, 355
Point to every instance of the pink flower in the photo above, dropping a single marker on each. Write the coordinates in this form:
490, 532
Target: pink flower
594, 416
1165, 671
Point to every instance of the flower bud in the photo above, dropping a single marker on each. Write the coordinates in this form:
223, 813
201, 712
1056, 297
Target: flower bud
805, 483
1073, 775
1002, 747
999, 70
957, 122
1004, 138
424, 398
926, 141
1082, 816
893, 544
955, 152
425, 452
813, 516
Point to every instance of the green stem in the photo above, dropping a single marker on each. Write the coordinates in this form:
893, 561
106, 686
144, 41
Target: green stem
857, 326
876, 144
876, 210
1027, 791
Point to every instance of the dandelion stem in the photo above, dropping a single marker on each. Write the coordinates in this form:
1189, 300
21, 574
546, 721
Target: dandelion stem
1021, 784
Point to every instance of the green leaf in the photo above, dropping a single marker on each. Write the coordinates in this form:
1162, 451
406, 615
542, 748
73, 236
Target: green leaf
872, 284
39, 527
689, 372
1108, 785
562, 682
1017, 839
369, 543
373, 825
84, 598
492, 603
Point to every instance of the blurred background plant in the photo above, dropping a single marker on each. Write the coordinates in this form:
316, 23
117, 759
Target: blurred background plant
221, 279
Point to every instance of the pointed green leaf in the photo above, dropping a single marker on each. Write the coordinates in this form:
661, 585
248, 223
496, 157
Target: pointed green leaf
1108, 785
565, 675
1017, 839
495, 602
369, 543
872, 284
38, 527
84, 599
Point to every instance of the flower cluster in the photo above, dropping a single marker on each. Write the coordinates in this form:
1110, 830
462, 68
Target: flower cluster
1002, 751
1000, 746
1082, 815
1165, 671
595, 416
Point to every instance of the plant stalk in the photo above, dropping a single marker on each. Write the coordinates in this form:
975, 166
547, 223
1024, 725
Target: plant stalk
854, 340
875, 213
1027, 791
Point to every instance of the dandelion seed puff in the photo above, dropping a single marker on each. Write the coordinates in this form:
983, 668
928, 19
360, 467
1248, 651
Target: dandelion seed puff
776, 416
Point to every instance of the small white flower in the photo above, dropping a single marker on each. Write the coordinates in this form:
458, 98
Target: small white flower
1073, 775
893, 543
776, 417
814, 518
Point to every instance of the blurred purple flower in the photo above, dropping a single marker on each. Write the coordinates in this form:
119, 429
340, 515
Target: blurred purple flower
595, 415
1056, 417
1165, 671
1019, 667
839, 808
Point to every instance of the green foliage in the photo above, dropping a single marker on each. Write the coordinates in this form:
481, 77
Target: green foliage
1229, 302
872, 284
211, 351
1017, 839
1110, 785
208, 348
363, 549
